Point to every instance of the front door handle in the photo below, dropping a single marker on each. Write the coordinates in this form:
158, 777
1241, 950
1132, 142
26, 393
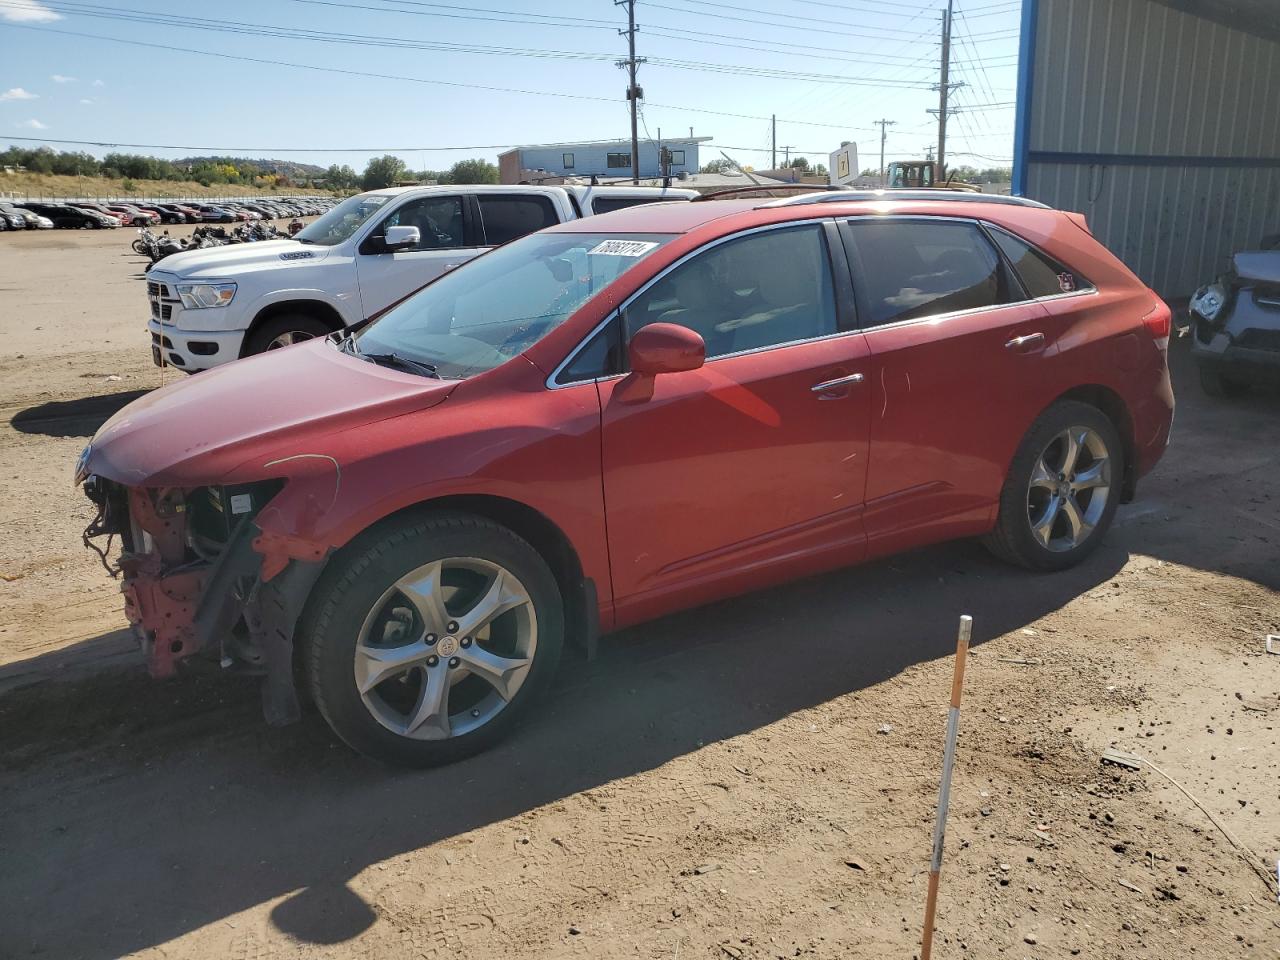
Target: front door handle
1026, 344
827, 385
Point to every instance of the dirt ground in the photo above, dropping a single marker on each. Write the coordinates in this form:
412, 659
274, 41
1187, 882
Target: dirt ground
714, 785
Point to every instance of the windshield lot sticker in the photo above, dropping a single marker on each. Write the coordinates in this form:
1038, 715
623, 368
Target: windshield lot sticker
622, 248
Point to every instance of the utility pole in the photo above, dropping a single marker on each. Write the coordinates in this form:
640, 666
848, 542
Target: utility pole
786, 154
773, 158
634, 92
943, 89
883, 124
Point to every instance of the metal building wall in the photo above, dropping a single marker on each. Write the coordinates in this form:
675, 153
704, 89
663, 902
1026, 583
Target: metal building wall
1160, 126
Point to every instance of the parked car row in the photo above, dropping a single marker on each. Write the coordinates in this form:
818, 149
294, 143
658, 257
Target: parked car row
21, 218
87, 214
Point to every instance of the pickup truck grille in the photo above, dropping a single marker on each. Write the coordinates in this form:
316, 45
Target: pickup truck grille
157, 290
161, 311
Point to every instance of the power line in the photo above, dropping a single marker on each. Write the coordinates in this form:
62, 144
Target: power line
769, 23
824, 23
272, 30
404, 79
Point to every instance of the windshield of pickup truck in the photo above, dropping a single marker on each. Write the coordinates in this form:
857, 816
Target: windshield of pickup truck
498, 305
343, 220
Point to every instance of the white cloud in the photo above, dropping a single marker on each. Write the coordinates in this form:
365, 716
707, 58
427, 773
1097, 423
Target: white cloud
17, 93
98, 83
32, 124
59, 78
27, 11
86, 101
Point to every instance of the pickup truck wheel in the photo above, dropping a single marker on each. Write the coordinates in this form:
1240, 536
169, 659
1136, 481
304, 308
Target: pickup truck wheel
1218, 385
285, 330
1062, 489
427, 644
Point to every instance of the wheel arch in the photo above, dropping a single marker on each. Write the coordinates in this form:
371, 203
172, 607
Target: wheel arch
1113, 407
579, 593
325, 312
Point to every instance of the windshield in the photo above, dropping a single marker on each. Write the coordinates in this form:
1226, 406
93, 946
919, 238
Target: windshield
498, 305
343, 220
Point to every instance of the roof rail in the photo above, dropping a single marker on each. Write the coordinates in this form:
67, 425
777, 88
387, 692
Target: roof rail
852, 196
757, 187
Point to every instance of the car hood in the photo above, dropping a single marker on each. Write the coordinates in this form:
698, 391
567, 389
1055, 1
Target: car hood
199, 430
1260, 266
226, 261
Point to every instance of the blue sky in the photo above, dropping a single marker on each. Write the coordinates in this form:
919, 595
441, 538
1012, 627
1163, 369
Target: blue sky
826, 68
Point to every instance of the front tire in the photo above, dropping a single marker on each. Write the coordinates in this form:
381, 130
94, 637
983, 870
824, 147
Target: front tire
1062, 489
426, 644
283, 331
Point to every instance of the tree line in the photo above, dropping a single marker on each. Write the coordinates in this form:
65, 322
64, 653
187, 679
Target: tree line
203, 170
379, 172
387, 171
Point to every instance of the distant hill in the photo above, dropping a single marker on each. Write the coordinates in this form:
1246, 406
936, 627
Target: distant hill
291, 168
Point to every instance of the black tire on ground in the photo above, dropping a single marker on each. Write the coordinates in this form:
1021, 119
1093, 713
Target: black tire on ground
1220, 385
358, 578
1012, 539
302, 325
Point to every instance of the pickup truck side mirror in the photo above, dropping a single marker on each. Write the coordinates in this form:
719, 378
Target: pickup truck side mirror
401, 238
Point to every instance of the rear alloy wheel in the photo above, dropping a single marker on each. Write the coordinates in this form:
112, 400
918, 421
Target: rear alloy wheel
284, 331
427, 646
1062, 489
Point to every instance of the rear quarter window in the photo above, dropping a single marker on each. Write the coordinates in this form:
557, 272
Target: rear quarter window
1041, 275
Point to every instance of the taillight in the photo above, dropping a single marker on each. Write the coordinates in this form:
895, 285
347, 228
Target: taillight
1159, 322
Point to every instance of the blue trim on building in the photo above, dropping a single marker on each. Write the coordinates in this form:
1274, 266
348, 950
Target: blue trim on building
1151, 159
1026, 76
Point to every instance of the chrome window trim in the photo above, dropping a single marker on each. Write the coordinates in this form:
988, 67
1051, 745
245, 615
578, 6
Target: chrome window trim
617, 312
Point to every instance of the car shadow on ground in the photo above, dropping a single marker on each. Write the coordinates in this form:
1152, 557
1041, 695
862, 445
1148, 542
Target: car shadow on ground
139, 811
73, 418
155, 808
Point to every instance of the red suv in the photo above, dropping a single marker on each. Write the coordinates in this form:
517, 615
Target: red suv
621, 417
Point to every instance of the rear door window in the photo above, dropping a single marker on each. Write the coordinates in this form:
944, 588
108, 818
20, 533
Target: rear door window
1041, 275
508, 217
909, 269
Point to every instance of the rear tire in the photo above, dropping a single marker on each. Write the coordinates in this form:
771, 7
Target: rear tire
283, 331
1062, 489
1220, 385
401, 659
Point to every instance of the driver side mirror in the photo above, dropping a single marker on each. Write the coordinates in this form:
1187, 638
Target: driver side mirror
401, 238
659, 348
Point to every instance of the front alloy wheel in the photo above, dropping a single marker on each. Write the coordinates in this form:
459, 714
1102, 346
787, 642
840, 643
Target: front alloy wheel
446, 648
425, 641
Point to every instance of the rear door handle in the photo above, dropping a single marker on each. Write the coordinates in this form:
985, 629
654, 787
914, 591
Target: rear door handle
827, 385
1026, 344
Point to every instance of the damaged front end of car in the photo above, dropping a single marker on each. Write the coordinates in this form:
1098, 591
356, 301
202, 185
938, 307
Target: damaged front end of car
200, 576
1235, 321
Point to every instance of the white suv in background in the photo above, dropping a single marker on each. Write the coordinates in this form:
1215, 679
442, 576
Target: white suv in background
215, 305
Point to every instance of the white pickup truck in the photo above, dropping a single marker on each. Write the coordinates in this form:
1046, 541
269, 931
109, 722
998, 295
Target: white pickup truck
215, 305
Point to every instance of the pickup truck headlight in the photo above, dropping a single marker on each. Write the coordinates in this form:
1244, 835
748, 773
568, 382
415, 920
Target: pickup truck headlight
197, 296
1209, 300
